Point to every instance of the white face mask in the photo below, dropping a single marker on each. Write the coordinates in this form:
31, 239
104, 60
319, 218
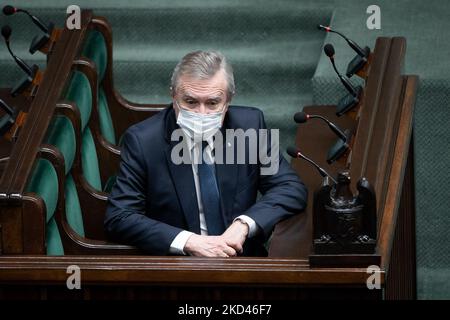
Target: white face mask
199, 126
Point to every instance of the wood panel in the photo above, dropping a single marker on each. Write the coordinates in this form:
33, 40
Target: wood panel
184, 277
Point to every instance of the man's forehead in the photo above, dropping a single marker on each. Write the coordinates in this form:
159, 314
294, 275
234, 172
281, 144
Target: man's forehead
201, 89
194, 86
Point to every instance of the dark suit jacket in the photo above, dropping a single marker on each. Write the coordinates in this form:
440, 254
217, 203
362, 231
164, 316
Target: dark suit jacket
154, 199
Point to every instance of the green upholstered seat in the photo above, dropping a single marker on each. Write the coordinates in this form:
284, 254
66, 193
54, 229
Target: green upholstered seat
95, 49
106, 123
79, 91
61, 134
73, 209
44, 182
89, 160
53, 239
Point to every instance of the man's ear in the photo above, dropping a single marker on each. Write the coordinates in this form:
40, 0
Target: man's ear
175, 107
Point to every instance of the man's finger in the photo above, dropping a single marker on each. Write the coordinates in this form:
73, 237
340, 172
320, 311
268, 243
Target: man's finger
235, 245
222, 254
230, 251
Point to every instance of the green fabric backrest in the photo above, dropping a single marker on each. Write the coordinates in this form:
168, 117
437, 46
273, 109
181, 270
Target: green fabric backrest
79, 91
44, 182
73, 209
95, 49
89, 160
61, 134
53, 239
106, 123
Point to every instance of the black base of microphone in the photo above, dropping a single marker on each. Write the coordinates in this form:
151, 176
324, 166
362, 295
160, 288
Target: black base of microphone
348, 102
357, 63
339, 148
25, 82
39, 42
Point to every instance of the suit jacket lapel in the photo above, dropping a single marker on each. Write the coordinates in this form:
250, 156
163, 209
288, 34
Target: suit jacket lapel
227, 178
183, 179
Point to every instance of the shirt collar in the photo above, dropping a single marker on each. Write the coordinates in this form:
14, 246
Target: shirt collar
191, 144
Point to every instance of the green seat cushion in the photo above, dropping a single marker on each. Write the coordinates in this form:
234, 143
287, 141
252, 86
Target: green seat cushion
73, 209
79, 91
61, 134
89, 160
95, 49
44, 182
53, 239
106, 123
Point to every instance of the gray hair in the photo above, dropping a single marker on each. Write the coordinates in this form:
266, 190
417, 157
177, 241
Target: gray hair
203, 65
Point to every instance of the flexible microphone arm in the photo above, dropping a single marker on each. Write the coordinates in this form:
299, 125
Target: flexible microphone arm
10, 10
350, 42
6, 108
6, 33
332, 126
344, 81
294, 153
330, 52
36, 20
302, 117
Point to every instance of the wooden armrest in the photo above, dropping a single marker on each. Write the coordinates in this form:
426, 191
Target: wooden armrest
108, 157
75, 244
125, 113
139, 107
93, 206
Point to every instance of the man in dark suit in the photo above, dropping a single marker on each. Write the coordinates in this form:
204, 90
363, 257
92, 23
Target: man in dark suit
173, 196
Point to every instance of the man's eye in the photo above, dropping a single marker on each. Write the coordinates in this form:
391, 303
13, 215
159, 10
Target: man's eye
190, 102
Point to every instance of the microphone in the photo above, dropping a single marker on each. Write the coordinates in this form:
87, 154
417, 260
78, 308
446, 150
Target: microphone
302, 117
349, 101
8, 119
29, 71
6, 33
340, 147
37, 42
296, 154
362, 54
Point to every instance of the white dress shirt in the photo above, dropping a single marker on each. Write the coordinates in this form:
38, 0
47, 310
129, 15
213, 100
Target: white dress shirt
177, 245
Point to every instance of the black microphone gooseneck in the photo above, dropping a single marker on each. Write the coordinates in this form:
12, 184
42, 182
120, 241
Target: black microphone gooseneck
329, 51
360, 60
351, 43
8, 110
295, 153
351, 100
38, 42
6, 33
8, 119
10, 10
302, 117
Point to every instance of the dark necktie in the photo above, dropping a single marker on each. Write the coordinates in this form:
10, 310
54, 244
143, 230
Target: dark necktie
210, 196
